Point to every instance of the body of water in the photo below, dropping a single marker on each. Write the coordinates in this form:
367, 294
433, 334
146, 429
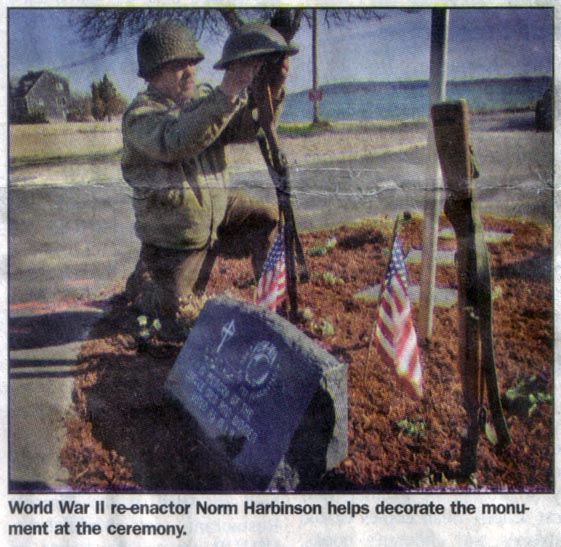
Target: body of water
410, 100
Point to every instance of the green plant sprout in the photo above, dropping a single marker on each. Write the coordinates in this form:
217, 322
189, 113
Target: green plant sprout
526, 396
329, 279
320, 250
147, 328
413, 427
323, 328
306, 315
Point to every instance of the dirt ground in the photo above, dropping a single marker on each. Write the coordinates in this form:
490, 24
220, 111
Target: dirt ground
127, 435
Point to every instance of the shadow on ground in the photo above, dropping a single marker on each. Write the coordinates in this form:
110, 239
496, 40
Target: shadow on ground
537, 267
51, 329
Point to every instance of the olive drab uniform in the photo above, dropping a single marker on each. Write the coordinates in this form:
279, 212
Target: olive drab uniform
174, 159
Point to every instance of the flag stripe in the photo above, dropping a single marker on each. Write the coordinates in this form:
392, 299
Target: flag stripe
395, 334
271, 289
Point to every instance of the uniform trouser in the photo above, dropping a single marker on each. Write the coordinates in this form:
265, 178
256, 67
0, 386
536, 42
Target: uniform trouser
163, 276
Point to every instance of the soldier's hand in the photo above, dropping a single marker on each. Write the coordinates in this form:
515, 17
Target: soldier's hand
240, 74
279, 75
272, 74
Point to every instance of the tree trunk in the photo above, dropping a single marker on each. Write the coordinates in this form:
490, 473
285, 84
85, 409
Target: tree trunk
231, 17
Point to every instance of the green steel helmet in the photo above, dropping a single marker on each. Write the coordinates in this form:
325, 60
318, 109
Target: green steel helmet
253, 39
164, 42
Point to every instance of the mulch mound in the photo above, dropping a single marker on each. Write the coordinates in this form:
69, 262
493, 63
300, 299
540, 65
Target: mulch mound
127, 434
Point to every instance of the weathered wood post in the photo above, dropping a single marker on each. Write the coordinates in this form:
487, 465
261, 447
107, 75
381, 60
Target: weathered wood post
475, 348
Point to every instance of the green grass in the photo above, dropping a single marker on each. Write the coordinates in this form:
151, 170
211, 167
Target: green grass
52, 143
102, 141
298, 129
47, 158
305, 129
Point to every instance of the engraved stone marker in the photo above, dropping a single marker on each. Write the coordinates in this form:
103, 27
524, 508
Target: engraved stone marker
271, 398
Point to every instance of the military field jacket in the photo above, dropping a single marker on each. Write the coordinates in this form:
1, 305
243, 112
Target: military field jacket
175, 160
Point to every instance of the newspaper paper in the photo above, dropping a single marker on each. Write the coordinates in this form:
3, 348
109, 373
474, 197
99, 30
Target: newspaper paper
97, 451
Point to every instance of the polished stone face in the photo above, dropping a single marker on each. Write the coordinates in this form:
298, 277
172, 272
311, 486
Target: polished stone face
263, 391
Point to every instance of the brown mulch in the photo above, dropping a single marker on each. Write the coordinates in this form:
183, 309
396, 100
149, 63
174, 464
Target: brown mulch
127, 435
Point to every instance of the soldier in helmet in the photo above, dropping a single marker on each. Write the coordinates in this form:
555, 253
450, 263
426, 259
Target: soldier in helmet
174, 138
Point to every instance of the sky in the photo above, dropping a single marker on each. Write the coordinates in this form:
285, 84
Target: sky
482, 42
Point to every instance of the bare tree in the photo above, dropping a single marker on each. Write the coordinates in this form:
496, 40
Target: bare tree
110, 26
114, 25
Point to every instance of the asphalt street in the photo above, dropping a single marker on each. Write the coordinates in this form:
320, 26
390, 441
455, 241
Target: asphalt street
70, 240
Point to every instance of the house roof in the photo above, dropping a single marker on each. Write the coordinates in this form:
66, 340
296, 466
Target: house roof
27, 82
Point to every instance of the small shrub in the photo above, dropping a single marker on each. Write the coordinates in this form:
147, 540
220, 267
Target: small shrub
324, 328
413, 427
525, 397
320, 250
189, 309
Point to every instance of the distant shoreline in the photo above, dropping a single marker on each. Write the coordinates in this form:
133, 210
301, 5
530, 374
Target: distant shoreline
409, 99
423, 83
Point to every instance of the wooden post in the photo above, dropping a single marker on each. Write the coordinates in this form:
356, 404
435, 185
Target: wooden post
433, 178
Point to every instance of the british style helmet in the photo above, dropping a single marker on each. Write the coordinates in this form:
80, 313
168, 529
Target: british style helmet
253, 40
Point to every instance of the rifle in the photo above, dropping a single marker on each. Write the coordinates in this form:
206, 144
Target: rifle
277, 166
477, 361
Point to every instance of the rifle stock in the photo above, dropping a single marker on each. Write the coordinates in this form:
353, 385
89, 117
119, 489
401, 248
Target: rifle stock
476, 355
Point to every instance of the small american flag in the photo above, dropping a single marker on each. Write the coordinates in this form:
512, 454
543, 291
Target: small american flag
271, 289
395, 333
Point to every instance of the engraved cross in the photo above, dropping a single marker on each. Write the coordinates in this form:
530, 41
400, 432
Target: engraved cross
228, 330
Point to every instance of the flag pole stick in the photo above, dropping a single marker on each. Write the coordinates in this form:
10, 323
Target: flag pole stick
433, 176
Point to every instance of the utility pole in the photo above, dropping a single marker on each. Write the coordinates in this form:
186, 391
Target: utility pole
315, 93
433, 176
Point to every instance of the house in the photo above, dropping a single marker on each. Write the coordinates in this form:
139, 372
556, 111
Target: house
40, 96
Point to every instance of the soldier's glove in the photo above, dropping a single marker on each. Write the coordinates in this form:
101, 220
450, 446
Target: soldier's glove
273, 74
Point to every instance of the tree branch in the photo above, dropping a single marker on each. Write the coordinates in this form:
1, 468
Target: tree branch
232, 18
110, 26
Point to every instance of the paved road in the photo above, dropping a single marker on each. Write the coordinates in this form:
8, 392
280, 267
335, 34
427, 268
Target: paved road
71, 235
71, 240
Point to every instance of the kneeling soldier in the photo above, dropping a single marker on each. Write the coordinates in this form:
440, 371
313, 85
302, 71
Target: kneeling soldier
174, 138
